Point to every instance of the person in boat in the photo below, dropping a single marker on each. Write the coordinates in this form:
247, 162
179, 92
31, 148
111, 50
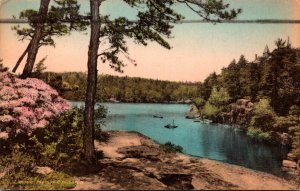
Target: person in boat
171, 125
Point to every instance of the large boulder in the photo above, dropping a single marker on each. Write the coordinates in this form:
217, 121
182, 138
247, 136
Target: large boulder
289, 164
27, 104
193, 112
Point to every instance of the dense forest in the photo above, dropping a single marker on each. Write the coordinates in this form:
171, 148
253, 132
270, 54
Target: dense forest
271, 83
275, 77
72, 86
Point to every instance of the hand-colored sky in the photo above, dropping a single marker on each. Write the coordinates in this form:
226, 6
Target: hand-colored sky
198, 49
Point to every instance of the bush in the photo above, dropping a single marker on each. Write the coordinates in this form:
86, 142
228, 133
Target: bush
58, 145
17, 164
19, 173
263, 116
219, 97
259, 135
27, 104
199, 102
209, 110
101, 136
171, 148
61, 141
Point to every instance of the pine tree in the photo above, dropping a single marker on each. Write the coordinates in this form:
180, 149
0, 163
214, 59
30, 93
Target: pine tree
155, 21
58, 20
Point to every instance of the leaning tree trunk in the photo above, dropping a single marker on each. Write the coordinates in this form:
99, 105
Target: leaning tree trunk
20, 59
35, 41
88, 139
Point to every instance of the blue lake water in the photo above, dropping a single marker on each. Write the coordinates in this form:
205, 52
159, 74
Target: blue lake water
218, 142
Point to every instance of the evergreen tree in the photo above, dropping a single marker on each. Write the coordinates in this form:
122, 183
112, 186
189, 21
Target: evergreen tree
154, 22
58, 20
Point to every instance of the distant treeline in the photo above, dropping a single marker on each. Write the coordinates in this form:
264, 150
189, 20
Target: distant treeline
72, 85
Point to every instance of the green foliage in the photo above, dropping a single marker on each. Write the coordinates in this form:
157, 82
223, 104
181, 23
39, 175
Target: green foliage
210, 110
276, 77
280, 79
55, 23
19, 171
51, 181
280, 43
259, 135
125, 89
155, 21
199, 102
100, 112
264, 122
230, 79
263, 116
273, 82
283, 123
58, 145
61, 141
208, 84
217, 101
171, 148
294, 129
40, 67
101, 136
219, 97
296, 141
17, 163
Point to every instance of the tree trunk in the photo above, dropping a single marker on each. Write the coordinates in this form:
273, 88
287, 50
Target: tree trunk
20, 59
88, 141
33, 49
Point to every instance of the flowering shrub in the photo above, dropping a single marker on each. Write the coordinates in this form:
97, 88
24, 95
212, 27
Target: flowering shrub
27, 104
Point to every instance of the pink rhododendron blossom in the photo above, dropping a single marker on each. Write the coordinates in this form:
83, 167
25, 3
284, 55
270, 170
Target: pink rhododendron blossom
6, 90
30, 103
6, 118
3, 135
40, 124
27, 100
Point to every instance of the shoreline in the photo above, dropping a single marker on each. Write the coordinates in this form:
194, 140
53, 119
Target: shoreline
163, 103
134, 161
283, 175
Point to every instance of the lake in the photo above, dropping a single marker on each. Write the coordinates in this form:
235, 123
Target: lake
218, 142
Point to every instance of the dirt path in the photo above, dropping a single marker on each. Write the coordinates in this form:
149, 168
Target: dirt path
133, 161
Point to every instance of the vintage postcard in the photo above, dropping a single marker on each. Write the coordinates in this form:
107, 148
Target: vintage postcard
149, 94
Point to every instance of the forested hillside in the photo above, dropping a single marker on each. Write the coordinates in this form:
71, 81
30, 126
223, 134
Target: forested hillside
266, 92
72, 85
275, 78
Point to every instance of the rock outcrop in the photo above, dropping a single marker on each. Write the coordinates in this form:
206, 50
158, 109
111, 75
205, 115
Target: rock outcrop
193, 112
135, 162
239, 113
291, 165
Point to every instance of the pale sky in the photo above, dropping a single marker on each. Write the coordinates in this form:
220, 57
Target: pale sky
197, 49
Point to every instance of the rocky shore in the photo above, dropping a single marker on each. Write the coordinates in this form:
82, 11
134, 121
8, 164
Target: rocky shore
239, 113
133, 161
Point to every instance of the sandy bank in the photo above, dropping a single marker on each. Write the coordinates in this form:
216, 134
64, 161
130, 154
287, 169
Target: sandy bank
133, 161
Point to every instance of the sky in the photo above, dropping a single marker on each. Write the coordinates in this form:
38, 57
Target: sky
197, 49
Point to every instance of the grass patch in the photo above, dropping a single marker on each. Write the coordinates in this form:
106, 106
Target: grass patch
51, 181
171, 148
